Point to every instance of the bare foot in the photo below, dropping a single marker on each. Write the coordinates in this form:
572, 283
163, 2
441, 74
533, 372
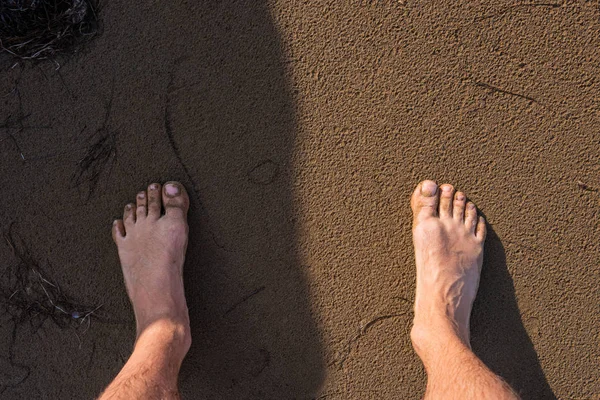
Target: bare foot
152, 248
448, 238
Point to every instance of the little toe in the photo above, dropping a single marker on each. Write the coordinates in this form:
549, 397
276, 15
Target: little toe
175, 200
471, 217
424, 200
458, 211
154, 200
481, 229
446, 195
129, 214
118, 230
141, 205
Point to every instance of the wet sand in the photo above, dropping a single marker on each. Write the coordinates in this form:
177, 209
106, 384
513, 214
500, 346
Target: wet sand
300, 131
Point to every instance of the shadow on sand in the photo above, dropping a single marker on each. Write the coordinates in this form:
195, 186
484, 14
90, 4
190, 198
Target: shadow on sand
498, 336
230, 118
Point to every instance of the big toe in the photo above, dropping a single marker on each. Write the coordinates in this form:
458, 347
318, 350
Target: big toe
424, 200
175, 200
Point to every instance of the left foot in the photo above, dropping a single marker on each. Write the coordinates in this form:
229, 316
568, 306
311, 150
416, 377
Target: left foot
152, 247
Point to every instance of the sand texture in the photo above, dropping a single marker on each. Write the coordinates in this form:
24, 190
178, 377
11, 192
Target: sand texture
300, 130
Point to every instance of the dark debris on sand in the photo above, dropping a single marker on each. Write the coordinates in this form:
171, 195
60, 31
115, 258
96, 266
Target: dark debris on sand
43, 29
100, 154
29, 296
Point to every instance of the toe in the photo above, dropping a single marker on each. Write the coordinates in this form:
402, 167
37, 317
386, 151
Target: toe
175, 200
118, 230
481, 229
446, 195
425, 200
154, 200
471, 217
141, 205
458, 211
129, 214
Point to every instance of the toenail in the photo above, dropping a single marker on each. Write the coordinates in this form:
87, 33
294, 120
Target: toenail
171, 190
141, 195
154, 186
428, 189
446, 189
128, 207
460, 197
471, 206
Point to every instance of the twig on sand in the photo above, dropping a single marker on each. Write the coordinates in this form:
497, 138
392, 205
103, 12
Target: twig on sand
587, 187
503, 91
244, 299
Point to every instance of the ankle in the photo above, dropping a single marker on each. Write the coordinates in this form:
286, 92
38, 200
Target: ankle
436, 334
166, 332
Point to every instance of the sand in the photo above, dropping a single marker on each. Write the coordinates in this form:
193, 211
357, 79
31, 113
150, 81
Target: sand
300, 131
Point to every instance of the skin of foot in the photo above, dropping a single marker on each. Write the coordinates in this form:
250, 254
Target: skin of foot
448, 238
152, 240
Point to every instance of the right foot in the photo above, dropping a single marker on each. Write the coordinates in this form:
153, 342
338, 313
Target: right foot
448, 237
152, 245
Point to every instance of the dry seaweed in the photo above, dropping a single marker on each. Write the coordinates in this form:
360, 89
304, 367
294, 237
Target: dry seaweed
43, 29
14, 124
29, 296
100, 154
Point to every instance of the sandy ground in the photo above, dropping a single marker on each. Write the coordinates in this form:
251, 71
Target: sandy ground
300, 129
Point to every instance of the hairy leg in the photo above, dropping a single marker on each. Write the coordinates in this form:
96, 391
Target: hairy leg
448, 237
152, 246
